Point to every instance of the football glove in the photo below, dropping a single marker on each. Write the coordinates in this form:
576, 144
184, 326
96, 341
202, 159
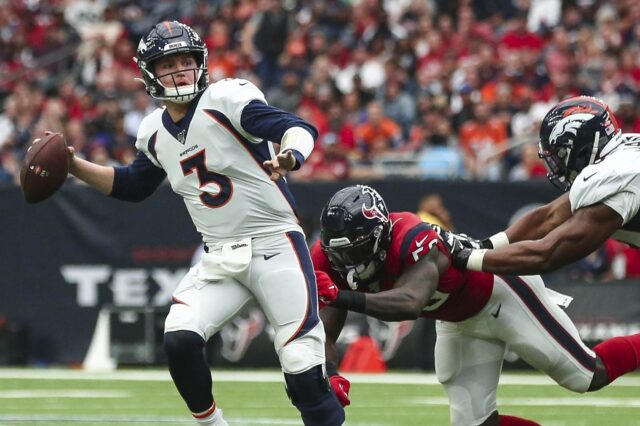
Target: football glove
327, 290
341, 387
460, 245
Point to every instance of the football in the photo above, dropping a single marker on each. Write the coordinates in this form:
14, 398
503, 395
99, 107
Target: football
45, 167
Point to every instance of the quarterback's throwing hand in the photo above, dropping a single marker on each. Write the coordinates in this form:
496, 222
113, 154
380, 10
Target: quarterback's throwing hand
327, 290
341, 388
281, 164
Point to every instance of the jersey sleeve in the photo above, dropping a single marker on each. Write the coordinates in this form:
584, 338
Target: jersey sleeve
146, 138
620, 191
418, 242
234, 94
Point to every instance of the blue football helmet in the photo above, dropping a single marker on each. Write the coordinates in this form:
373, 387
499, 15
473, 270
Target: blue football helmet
168, 38
573, 135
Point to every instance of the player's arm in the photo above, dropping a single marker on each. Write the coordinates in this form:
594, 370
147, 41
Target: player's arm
97, 176
533, 225
407, 299
581, 234
540, 221
333, 320
133, 182
295, 136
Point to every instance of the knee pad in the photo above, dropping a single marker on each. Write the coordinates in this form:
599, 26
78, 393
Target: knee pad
303, 353
297, 357
311, 393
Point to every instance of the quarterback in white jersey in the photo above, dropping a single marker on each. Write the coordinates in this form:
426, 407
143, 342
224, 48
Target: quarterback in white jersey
216, 165
214, 145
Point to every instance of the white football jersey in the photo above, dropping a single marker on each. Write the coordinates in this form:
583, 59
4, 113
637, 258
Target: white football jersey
614, 181
216, 166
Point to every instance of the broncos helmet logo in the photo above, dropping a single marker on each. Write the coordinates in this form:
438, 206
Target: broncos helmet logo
569, 124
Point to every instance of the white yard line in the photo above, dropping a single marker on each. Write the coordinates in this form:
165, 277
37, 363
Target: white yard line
591, 401
66, 419
534, 379
66, 393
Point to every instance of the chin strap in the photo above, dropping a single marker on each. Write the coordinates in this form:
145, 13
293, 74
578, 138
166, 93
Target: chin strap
594, 150
350, 279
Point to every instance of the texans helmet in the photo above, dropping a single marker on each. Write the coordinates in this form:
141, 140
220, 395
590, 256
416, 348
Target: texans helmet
355, 233
168, 38
573, 135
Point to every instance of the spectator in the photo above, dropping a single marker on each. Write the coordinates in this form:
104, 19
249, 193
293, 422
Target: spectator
287, 95
142, 106
328, 163
414, 56
398, 105
431, 209
379, 134
530, 165
624, 261
270, 30
483, 141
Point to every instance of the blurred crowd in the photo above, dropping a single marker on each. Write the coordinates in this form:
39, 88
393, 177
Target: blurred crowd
427, 88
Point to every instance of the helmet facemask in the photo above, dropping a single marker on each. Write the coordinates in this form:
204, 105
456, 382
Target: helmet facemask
359, 260
173, 92
356, 235
556, 161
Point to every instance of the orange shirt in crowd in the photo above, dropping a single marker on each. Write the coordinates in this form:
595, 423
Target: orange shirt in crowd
481, 137
387, 129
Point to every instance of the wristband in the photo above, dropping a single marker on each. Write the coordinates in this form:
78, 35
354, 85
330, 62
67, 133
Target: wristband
350, 300
299, 158
475, 260
499, 240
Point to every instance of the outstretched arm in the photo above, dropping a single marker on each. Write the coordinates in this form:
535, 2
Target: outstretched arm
407, 299
574, 239
133, 182
333, 320
539, 222
97, 176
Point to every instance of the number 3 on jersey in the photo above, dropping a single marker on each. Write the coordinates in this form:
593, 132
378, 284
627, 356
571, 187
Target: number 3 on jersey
198, 163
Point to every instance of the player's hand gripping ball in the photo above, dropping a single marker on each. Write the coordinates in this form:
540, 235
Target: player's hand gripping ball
45, 167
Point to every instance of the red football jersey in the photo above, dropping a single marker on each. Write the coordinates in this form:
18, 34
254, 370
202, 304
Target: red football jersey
460, 294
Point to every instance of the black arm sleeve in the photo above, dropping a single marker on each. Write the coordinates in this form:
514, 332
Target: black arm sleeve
270, 123
138, 180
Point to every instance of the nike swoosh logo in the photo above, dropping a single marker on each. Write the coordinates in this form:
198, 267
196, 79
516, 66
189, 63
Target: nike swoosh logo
586, 178
269, 256
421, 242
242, 84
497, 312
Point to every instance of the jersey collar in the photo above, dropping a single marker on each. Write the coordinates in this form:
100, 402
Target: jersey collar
179, 130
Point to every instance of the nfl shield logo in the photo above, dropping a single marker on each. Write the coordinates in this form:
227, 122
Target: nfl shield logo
182, 136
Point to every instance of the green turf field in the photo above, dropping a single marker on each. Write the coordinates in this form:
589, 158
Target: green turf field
75, 398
